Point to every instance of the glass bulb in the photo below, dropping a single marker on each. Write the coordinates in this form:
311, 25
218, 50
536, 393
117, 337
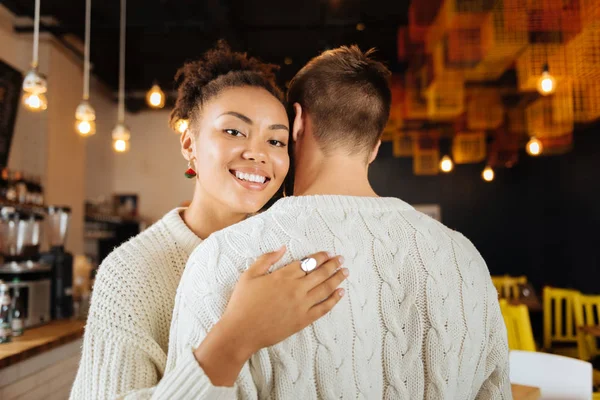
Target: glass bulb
35, 101
488, 174
546, 84
85, 128
121, 145
85, 119
534, 147
181, 125
121, 136
446, 165
155, 97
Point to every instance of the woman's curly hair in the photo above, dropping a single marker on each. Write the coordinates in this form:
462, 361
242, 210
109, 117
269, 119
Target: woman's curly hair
219, 68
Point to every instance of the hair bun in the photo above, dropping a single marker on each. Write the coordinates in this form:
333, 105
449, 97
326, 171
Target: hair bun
192, 79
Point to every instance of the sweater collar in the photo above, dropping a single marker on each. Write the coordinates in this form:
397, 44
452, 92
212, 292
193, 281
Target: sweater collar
180, 231
332, 202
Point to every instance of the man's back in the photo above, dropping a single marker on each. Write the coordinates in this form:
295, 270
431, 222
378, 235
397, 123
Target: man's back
420, 318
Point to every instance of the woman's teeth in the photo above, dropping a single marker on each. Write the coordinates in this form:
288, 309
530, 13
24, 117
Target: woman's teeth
250, 177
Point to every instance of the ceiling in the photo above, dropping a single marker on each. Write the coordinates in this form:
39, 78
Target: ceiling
163, 34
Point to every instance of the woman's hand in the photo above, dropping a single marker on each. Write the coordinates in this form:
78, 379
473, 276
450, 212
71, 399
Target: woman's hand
265, 309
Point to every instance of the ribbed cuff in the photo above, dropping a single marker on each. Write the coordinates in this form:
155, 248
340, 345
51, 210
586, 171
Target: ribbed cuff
188, 381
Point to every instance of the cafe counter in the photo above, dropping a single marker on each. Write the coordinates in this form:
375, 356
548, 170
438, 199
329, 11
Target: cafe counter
42, 363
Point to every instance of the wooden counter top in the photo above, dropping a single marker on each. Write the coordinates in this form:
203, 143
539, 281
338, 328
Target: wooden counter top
38, 340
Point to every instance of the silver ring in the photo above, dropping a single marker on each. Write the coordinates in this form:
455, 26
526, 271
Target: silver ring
308, 264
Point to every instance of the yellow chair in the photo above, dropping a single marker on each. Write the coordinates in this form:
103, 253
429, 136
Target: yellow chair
518, 326
508, 286
587, 313
563, 333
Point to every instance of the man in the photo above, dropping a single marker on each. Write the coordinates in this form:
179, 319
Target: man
421, 316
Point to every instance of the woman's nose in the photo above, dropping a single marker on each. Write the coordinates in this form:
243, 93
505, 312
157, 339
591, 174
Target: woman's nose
255, 153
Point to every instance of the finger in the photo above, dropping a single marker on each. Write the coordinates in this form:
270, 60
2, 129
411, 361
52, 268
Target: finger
323, 273
325, 289
263, 263
323, 308
294, 269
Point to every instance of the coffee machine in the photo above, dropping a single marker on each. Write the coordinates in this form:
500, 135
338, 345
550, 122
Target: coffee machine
61, 262
20, 234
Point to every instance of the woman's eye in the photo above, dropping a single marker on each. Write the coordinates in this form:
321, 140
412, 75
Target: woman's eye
277, 143
233, 132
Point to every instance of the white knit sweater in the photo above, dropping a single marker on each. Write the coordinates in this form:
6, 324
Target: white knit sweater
127, 331
420, 319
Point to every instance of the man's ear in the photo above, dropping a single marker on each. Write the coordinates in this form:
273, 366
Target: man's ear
373, 154
298, 125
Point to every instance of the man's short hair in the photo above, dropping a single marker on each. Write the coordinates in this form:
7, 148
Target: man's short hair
347, 95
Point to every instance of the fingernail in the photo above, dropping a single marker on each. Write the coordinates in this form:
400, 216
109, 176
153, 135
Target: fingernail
345, 271
341, 258
341, 292
330, 254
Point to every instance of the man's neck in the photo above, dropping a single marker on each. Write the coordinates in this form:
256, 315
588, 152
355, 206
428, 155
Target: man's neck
339, 175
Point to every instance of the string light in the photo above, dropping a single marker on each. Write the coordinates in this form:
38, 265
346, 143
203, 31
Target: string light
446, 165
360, 27
488, 174
155, 97
534, 147
546, 84
121, 134
85, 115
35, 84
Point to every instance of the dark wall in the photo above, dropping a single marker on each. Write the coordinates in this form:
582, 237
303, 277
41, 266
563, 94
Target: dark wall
541, 218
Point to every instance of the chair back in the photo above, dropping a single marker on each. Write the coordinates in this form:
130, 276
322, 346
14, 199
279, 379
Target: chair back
587, 313
559, 319
508, 286
518, 326
557, 377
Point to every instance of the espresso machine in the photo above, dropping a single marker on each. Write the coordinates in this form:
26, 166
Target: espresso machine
61, 262
20, 235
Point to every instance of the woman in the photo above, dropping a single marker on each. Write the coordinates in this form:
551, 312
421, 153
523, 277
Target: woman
236, 148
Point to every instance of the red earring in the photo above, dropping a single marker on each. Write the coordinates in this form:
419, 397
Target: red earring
190, 173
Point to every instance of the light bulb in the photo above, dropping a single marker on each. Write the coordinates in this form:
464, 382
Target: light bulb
34, 87
488, 174
85, 119
35, 101
121, 136
155, 97
534, 147
546, 84
446, 165
121, 145
85, 128
181, 125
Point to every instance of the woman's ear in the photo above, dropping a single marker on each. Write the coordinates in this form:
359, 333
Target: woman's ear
187, 144
298, 126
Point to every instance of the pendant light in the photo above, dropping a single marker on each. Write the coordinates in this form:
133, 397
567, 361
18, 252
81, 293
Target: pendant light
488, 174
181, 125
546, 83
85, 115
155, 98
534, 147
446, 165
121, 134
35, 85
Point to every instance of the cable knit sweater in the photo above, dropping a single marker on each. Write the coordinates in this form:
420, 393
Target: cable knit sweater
420, 319
127, 331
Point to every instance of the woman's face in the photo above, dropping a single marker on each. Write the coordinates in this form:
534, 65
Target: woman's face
240, 148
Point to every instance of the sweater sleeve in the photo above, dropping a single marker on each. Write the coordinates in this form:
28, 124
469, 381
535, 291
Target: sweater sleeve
497, 381
199, 304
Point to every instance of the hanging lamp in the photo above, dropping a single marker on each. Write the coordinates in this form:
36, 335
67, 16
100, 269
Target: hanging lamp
85, 115
35, 85
121, 134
